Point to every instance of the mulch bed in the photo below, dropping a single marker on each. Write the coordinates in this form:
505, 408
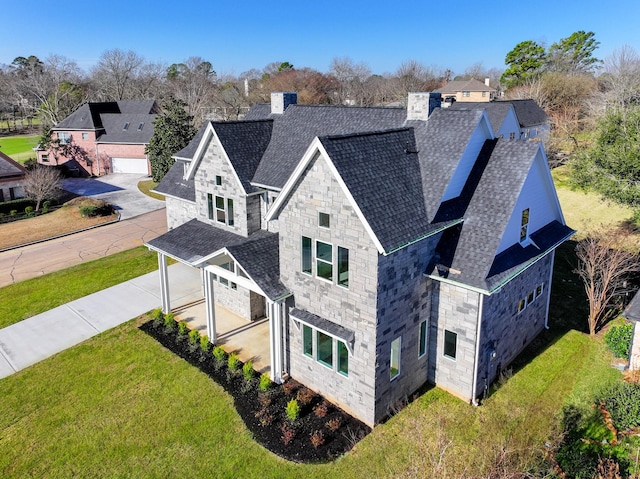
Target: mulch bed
322, 431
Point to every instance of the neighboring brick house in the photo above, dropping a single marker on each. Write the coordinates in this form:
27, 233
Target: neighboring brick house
99, 138
467, 90
12, 175
522, 119
387, 247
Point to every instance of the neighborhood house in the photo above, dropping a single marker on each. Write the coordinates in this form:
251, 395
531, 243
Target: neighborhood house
101, 138
12, 175
387, 247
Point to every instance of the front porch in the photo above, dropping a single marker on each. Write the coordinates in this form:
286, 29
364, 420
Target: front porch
248, 339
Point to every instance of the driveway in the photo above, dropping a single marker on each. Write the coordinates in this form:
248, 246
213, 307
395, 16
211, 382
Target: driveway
119, 189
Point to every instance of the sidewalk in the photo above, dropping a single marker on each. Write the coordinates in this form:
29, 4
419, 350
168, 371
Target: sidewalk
39, 337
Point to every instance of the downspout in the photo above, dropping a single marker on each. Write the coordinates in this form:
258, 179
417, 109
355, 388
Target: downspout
97, 157
474, 400
546, 316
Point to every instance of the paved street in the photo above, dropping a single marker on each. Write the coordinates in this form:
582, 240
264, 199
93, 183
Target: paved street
42, 258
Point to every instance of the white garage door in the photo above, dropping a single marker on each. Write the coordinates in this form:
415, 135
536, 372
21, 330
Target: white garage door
129, 165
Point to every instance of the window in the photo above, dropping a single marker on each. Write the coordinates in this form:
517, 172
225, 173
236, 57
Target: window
85, 136
323, 220
45, 158
1, 195
234, 286
220, 213
327, 350
484, 94
324, 260
306, 255
230, 211
210, 205
307, 340
343, 267
140, 126
15, 193
450, 344
324, 345
521, 305
343, 359
524, 225
512, 136
466, 94
218, 180
394, 360
539, 290
224, 281
422, 339
63, 138
126, 126
530, 298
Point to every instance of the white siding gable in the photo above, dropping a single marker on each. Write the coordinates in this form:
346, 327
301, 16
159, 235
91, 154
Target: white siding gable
510, 125
539, 195
482, 133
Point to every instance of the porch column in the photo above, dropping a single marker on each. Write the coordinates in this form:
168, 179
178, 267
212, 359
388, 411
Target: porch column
275, 311
164, 283
210, 304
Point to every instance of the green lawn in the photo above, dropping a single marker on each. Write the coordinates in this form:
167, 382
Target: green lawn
19, 148
146, 186
28, 298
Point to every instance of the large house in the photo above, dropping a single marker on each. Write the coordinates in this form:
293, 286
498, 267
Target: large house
99, 138
467, 90
387, 247
12, 175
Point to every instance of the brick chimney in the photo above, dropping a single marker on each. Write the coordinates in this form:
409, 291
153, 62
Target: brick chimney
280, 101
421, 105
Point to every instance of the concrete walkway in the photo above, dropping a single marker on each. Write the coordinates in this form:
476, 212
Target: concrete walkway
39, 337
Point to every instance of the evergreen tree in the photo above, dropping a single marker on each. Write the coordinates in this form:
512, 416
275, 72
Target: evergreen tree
172, 131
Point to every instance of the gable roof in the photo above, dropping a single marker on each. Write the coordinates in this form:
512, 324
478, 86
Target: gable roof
88, 116
496, 111
528, 112
296, 128
467, 253
139, 128
173, 184
10, 169
456, 86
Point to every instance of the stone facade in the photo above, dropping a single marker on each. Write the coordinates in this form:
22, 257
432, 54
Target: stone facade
244, 303
353, 308
179, 211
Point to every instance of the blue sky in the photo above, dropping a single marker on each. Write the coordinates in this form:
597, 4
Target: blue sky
236, 36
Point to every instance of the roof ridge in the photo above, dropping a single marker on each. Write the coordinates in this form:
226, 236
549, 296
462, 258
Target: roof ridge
366, 133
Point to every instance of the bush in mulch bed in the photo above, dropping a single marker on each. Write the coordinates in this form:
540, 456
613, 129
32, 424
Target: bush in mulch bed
318, 432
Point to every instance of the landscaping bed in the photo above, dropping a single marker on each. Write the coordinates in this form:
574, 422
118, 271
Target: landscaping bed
289, 419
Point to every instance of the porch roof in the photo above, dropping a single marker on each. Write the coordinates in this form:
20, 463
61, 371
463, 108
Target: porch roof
195, 242
333, 329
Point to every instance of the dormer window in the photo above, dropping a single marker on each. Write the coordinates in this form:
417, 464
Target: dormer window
126, 126
524, 226
140, 126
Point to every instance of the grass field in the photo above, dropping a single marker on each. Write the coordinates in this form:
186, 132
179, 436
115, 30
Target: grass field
19, 148
146, 186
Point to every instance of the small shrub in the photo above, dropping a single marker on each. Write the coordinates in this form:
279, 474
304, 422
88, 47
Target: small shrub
233, 362
183, 329
219, 357
205, 345
157, 317
13, 212
170, 321
247, 386
265, 382
194, 337
288, 433
289, 387
618, 339
317, 438
321, 409
622, 400
88, 210
293, 410
28, 211
304, 396
333, 424
45, 206
247, 370
264, 417
264, 399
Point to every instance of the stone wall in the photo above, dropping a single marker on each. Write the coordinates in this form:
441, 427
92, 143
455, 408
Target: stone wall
240, 300
404, 301
354, 307
179, 211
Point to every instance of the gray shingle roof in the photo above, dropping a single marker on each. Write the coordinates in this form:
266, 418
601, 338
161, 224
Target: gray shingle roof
294, 130
382, 172
496, 111
189, 151
323, 324
139, 129
528, 112
87, 117
174, 185
455, 86
259, 111
258, 254
10, 169
245, 143
469, 251
632, 311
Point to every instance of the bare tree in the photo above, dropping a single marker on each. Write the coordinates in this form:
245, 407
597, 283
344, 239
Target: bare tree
351, 78
194, 83
42, 183
115, 74
621, 78
605, 267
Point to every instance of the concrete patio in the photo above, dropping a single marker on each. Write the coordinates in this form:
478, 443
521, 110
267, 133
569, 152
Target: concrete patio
248, 339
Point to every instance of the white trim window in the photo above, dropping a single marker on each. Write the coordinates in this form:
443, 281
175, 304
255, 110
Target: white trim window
394, 358
422, 338
328, 260
64, 138
220, 210
524, 225
450, 344
325, 349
